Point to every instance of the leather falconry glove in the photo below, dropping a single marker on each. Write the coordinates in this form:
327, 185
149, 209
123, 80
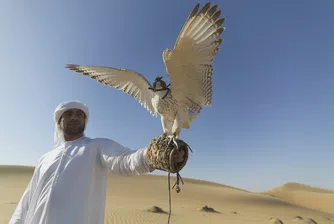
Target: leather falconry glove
170, 156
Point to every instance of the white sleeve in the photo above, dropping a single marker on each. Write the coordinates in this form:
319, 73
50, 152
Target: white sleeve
123, 161
22, 207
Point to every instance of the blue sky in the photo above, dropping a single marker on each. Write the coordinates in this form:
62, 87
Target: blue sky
272, 116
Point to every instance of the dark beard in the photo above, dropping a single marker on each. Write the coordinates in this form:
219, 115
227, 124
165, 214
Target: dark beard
73, 131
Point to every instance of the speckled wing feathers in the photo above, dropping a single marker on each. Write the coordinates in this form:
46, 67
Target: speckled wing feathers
126, 80
189, 65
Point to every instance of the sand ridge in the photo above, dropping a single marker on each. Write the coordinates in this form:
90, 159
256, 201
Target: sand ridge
301, 194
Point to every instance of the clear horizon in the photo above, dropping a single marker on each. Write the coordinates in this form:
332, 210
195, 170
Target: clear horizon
272, 116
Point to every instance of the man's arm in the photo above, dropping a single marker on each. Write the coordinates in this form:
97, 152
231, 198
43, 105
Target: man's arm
123, 161
22, 207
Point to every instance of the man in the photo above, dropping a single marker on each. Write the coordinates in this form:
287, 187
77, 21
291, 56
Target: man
69, 183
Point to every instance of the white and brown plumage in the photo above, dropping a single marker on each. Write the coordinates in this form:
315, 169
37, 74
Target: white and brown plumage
189, 66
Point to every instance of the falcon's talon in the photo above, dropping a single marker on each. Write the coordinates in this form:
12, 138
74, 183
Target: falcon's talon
172, 138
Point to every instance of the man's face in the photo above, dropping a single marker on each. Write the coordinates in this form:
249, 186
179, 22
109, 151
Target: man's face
72, 122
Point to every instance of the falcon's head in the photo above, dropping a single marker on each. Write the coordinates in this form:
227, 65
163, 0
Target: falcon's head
159, 84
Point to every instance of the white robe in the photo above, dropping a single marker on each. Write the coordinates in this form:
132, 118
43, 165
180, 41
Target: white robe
69, 183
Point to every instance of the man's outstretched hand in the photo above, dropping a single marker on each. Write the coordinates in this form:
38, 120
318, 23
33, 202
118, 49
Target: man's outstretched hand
162, 154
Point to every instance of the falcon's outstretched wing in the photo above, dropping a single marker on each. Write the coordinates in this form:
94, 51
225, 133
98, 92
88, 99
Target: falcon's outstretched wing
189, 64
126, 80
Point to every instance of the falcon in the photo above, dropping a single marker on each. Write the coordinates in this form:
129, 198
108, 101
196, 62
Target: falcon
189, 66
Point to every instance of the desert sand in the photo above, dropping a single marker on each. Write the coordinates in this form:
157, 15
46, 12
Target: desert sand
144, 199
300, 194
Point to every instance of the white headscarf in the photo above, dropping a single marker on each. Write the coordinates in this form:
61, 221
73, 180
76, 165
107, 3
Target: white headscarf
61, 108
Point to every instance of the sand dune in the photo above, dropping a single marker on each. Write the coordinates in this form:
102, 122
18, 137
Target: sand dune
144, 199
312, 197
